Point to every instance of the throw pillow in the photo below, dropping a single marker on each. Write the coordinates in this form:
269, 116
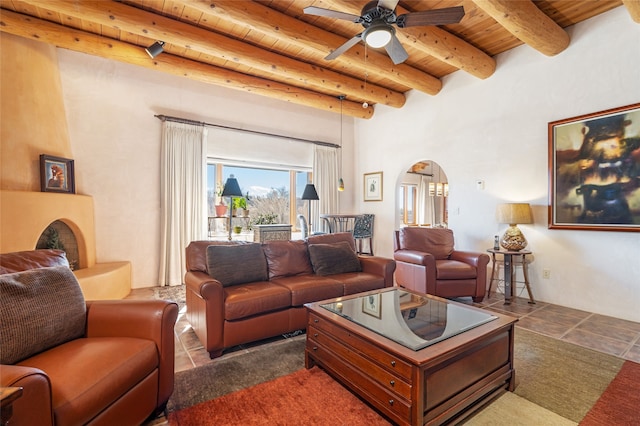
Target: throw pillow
336, 258
237, 264
41, 308
287, 258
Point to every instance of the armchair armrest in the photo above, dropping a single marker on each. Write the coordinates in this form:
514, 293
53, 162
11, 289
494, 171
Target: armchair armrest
380, 266
34, 406
472, 258
143, 319
415, 257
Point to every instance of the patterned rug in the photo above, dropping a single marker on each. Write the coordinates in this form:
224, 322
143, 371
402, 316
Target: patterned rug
175, 293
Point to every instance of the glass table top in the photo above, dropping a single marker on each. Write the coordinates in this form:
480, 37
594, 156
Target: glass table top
412, 320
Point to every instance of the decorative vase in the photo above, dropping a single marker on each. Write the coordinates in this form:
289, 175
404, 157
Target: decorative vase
221, 210
237, 229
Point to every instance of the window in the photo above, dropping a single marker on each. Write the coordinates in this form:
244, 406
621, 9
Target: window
270, 191
407, 200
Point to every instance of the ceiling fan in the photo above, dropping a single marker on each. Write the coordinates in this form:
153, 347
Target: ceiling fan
378, 17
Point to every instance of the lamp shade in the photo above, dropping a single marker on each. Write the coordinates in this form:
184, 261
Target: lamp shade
514, 213
231, 188
310, 192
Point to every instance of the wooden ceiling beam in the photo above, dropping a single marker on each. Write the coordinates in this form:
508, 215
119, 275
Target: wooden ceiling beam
126, 18
633, 7
433, 41
525, 21
272, 23
93, 44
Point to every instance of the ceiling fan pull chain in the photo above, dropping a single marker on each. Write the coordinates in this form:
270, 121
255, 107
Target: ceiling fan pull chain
365, 104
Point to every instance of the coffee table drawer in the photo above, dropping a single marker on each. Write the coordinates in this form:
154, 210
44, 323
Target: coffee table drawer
371, 350
389, 381
361, 382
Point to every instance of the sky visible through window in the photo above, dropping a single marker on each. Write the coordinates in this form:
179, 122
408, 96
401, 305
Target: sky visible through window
258, 182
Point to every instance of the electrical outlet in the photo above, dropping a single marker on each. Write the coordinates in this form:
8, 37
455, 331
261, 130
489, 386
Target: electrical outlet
546, 274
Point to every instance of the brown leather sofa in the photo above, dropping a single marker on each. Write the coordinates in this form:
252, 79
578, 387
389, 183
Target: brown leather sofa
427, 262
95, 363
228, 305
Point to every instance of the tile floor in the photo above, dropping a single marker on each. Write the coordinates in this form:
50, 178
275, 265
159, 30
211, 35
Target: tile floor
602, 333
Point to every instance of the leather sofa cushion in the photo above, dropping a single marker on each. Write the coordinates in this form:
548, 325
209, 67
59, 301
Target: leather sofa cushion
242, 301
86, 375
196, 253
454, 270
437, 241
237, 264
287, 258
358, 282
31, 259
40, 309
336, 258
310, 288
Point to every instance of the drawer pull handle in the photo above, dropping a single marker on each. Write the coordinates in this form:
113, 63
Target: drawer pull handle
315, 334
315, 348
391, 402
315, 320
393, 363
392, 383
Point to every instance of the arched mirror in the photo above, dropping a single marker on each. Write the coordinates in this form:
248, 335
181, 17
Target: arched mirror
422, 196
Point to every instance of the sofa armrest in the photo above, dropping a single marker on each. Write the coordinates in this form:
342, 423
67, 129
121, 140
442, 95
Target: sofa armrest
380, 266
143, 319
205, 310
34, 407
415, 257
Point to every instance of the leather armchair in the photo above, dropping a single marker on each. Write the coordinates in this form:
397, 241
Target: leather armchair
427, 262
118, 370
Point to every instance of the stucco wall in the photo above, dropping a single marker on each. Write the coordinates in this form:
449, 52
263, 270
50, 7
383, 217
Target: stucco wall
496, 130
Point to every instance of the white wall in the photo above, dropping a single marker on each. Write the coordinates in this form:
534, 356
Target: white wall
496, 130
115, 141
493, 129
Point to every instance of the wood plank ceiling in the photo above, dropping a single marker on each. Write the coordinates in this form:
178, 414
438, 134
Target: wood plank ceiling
271, 48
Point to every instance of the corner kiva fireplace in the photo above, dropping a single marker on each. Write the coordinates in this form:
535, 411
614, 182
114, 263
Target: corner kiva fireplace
24, 217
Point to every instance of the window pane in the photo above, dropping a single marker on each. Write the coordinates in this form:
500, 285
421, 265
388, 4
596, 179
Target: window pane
268, 190
211, 189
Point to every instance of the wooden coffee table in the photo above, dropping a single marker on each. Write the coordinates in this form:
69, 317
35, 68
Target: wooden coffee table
417, 359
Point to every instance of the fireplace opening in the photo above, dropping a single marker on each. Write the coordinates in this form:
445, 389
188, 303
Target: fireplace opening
59, 236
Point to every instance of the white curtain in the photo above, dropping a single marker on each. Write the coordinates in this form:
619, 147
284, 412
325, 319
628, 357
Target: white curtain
183, 174
425, 203
325, 179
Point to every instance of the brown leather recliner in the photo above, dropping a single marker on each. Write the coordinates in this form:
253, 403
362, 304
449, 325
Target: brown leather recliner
99, 362
427, 262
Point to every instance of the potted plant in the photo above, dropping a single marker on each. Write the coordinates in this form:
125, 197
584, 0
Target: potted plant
221, 208
240, 203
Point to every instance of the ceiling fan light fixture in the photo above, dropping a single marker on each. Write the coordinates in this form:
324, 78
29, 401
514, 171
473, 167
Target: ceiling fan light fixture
378, 35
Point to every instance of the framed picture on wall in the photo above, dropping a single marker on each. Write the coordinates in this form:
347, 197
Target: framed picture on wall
56, 174
594, 171
373, 186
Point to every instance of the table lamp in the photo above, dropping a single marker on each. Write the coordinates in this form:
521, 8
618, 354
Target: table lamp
310, 194
231, 189
513, 214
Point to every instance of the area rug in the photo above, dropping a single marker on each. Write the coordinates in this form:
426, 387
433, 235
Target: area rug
557, 383
175, 293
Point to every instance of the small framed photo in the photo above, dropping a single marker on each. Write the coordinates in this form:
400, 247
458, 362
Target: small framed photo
594, 171
373, 186
56, 174
371, 305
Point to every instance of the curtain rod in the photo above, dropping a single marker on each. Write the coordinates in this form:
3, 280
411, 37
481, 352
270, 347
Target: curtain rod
255, 132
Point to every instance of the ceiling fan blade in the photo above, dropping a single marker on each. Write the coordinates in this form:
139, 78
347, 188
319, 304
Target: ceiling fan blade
388, 4
318, 11
448, 15
395, 50
340, 50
